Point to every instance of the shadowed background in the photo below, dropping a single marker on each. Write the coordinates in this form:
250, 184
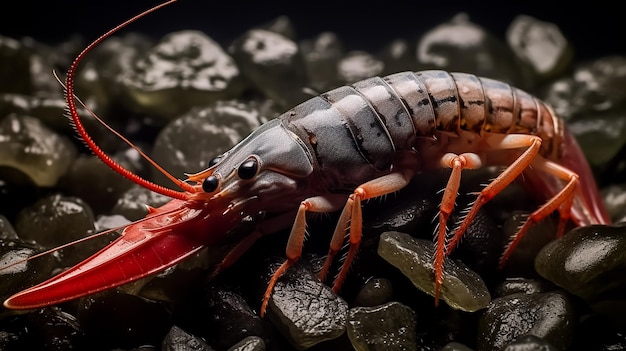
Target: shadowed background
595, 28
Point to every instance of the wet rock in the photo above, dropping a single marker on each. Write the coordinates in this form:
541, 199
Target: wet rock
189, 143
321, 55
99, 81
183, 70
251, 343
592, 88
45, 329
550, 316
376, 291
460, 45
110, 222
529, 343
589, 262
44, 59
30, 147
386, 327
117, 320
17, 274
539, 44
6, 229
93, 181
49, 110
56, 220
273, 63
132, 203
358, 65
305, 310
230, 319
592, 101
585, 260
462, 288
610, 127
179, 340
522, 285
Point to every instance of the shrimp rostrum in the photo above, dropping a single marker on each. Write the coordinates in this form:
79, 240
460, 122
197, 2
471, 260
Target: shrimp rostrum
331, 153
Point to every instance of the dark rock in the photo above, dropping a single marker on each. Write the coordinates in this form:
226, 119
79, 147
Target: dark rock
550, 316
387, 327
179, 340
32, 148
305, 310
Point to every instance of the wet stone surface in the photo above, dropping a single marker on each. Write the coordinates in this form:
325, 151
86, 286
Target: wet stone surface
589, 262
32, 148
546, 315
321, 56
386, 327
539, 44
229, 319
305, 310
132, 203
56, 220
358, 65
209, 131
178, 339
460, 45
273, 63
183, 70
462, 288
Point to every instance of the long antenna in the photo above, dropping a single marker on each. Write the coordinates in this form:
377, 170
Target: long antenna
80, 129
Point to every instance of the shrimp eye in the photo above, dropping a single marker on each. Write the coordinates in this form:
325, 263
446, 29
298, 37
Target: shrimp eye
210, 184
215, 161
248, 169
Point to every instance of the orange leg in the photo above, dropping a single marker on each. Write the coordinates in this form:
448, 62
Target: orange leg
351, 213
466, 161
296, 240
457, 163
497, 141
562, 202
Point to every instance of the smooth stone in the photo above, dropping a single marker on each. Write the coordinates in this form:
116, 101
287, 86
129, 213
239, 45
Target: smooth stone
540, 44
388, 327
588, 261
178, 339
460, 45
462, 288
273, 63
185, 69
550, 316
358, 65
29, 146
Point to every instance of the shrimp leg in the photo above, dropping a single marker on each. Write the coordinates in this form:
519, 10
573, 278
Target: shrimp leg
351, 213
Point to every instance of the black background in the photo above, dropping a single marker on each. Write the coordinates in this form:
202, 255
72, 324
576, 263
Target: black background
595, 28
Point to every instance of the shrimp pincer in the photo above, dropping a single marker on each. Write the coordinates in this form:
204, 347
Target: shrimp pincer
333, 152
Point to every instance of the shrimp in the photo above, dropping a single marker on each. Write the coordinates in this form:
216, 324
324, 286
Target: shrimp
331, 153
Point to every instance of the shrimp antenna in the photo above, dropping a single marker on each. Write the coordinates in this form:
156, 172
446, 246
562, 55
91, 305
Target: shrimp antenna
80, 129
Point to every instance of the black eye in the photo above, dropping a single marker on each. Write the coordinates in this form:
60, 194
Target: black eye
248, 169
210, 184
215, 161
